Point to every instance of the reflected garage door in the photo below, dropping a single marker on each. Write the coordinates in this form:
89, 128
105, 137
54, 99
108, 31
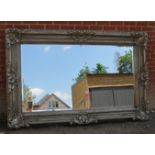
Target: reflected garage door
112, 97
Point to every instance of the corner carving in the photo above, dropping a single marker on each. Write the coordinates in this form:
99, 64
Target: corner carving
13, 36
83, 118
141, 115
81, 35
15, 119
140, 38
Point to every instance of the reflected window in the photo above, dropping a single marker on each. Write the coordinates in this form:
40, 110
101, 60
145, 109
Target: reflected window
56, 104
50, 105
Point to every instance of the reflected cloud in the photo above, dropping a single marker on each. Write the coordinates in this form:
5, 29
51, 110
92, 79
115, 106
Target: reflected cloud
63, 95
66, 47
37, 91
47, 48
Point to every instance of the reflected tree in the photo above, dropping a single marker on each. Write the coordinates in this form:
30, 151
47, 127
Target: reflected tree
27, 93
124, 63
100, 69
82, 73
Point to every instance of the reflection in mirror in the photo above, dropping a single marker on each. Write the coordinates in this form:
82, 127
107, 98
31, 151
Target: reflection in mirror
73, 77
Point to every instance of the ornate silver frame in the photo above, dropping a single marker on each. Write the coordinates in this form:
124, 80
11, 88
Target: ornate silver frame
16, 37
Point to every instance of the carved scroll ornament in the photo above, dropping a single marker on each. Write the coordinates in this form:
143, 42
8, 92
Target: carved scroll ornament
15, 121
143, 75
83, 118
12, 80
141, 115
13, 36
81, 35
140, 38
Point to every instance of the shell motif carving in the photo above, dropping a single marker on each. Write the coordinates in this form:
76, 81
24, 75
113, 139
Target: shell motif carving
81, 119
81, 35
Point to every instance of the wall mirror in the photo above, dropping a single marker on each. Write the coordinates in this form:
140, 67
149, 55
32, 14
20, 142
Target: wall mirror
75, 77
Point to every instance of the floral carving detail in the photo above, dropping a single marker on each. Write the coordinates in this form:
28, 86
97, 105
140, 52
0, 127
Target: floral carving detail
141, 38
81, 35
83, 119
142, 115
15, 118
13, 36
143, 75
12, 80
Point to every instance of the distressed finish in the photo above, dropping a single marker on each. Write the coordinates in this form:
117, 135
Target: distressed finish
16, 37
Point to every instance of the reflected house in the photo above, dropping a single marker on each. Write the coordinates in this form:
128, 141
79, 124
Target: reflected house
103, 90
50, 102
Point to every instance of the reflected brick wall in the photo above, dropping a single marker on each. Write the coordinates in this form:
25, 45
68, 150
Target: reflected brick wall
148, 27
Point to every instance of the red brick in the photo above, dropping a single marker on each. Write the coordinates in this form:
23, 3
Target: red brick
53, 27
152, 46
30, 22
142, 23
67, 27
82, 27
151, 42
45, 22
151, 23
2, 33
2, 22
2, 45
151, 64
5, 26
21, 26
148, 28
116, 23
151, 33
38, 26
130, 23
135, 28
103, 23
89, 22
109, 28
14, 22
122, 28
60, 22
75, 22
95, 28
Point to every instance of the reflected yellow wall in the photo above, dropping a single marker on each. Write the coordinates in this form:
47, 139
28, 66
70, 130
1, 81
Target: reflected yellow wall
104, 80
80, 94
80, 90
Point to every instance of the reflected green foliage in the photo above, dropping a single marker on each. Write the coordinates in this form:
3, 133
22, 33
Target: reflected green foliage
100, 69
82, 73
27, 93
124, 64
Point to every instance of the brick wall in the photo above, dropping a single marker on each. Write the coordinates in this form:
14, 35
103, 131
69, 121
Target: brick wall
91, 25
